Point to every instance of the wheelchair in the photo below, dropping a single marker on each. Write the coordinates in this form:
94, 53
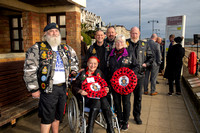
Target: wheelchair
78, 114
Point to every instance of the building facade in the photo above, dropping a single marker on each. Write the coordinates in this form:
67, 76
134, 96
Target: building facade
91, 20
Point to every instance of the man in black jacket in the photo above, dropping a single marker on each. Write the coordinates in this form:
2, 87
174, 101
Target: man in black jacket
144, 57
101, 50
111, 35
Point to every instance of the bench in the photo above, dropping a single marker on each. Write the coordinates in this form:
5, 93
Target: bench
15, 100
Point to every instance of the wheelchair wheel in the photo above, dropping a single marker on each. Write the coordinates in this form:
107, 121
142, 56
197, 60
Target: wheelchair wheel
73, 115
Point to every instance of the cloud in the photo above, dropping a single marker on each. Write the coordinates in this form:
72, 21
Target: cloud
126, 12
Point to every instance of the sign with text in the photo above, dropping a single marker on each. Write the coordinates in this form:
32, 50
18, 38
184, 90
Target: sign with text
174, 25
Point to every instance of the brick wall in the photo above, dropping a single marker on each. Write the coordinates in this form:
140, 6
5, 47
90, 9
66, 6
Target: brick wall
43, 23
4, 35
73, 29
31, 29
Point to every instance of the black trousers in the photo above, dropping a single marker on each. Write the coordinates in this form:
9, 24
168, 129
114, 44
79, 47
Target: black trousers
171, 85
126, 106
138, 97
101, 103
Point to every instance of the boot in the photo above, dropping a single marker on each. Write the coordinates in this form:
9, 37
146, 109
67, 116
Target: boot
92, 116
108, 116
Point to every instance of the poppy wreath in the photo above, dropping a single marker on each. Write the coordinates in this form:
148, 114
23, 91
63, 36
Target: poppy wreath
95, 94
130, 78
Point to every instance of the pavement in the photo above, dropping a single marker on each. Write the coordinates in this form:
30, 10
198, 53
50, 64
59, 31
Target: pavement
160, 114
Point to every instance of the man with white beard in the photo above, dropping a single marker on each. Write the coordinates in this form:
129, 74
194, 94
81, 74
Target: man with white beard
46, 71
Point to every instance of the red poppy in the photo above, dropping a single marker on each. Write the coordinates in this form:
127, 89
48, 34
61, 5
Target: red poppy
95, 89
124, 81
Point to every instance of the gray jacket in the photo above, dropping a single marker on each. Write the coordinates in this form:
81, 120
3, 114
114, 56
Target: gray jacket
155, 48
33, 64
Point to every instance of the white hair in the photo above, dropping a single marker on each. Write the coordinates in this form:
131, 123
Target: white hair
121, 38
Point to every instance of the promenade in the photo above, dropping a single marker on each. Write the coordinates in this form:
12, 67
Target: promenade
160, 114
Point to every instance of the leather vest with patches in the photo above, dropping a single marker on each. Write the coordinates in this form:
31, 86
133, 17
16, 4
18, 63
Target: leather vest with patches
46, 62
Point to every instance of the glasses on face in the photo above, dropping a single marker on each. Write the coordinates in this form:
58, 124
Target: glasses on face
119, 42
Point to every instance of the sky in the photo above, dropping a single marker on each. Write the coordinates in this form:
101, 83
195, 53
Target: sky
126, 13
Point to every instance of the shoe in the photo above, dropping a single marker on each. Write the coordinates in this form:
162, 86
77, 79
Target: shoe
138, 120
125, 126
146, 93
157, 82
178, 93
155, 93
169, 94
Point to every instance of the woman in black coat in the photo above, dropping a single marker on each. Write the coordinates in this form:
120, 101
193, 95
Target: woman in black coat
119, 57
174, 65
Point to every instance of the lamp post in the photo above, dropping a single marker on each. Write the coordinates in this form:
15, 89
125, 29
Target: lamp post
153, 24
140, 16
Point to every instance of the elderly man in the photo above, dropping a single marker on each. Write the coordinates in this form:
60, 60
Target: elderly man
144, 57
111, 35
161, 43
46, 70
154, 68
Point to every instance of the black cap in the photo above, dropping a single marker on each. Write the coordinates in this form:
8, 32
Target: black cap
51, 26
178, 39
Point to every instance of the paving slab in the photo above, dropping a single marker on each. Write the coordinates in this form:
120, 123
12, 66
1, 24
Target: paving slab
160, 114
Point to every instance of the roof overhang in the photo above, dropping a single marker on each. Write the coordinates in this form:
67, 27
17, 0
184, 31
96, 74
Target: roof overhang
50, 3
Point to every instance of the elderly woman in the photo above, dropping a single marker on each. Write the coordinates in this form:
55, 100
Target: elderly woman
94, 103
119, 57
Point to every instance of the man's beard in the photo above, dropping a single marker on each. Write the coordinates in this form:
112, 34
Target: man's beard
134, 40
111, 38
53, 40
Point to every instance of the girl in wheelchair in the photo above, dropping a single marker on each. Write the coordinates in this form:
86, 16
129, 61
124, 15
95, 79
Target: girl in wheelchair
95, 104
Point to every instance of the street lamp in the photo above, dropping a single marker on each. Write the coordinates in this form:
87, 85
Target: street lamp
140, 16
153, 24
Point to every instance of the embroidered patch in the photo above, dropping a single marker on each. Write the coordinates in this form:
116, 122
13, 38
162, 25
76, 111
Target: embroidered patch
143, 44
127, 43
43, 45
44, 55
65, 47
43, 85
44, 70
44, 78
108, 47
94, 51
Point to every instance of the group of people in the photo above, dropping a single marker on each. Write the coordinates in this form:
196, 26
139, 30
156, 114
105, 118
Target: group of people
49, 63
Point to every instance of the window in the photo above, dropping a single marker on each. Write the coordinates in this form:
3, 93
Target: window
60, 19
16, 34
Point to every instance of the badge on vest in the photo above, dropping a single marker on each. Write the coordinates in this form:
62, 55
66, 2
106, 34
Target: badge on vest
43, 45
44, 70
94, 51
44, 55
127, 43
43, 78
108, 47
43, 85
